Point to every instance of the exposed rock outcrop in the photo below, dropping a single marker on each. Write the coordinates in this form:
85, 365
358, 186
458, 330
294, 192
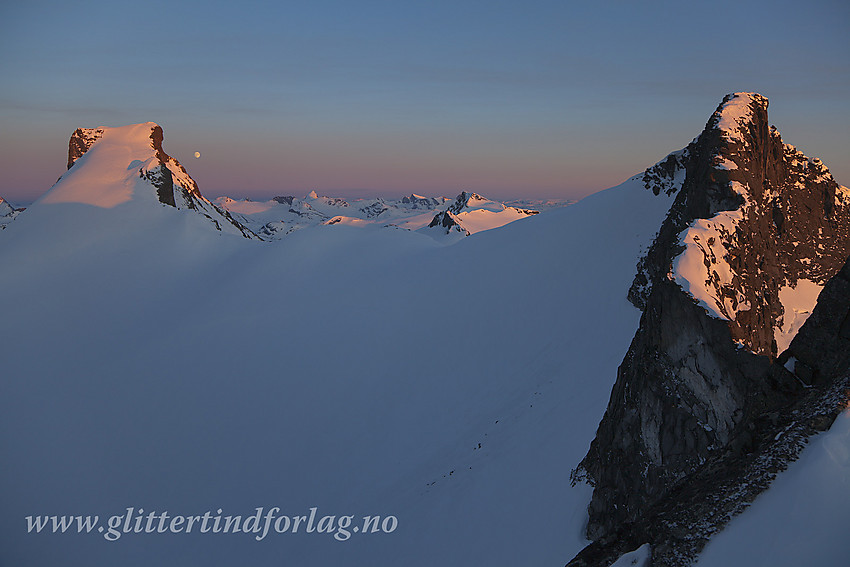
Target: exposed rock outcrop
449, 222
81, 140
7, 213
284, 200
755, 222
419, 202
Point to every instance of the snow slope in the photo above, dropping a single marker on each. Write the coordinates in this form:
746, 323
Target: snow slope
152, 362
107, 175
802, 519
798, 302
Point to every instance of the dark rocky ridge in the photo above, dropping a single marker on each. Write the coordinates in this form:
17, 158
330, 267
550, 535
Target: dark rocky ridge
691, 396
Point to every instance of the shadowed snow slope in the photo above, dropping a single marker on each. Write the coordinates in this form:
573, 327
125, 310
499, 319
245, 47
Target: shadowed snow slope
808, 505
152, 362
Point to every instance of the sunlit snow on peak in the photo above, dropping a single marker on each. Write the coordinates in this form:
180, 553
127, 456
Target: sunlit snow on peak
736, 112
108, 173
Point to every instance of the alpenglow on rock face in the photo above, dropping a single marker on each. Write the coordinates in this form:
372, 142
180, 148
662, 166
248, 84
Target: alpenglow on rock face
755, 222
755, 232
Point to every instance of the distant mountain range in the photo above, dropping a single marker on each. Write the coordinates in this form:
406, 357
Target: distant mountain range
437, 216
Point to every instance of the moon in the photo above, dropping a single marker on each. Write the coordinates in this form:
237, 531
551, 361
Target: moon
197, 154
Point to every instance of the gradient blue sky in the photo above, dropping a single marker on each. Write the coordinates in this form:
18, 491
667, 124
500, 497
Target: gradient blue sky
510, 99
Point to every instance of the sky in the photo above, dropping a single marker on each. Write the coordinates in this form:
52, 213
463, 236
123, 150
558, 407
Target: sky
533, 99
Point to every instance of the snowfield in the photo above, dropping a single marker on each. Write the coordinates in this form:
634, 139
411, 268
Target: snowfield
153, 362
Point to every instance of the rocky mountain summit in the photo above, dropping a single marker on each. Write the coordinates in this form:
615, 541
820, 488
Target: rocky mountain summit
742, 349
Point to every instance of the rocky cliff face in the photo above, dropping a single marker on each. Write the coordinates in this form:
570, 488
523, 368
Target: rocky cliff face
755, 231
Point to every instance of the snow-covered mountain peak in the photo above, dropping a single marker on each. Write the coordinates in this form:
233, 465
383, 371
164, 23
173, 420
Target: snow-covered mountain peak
108, 167
471, 213
105, 165
139, 137
315, 200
